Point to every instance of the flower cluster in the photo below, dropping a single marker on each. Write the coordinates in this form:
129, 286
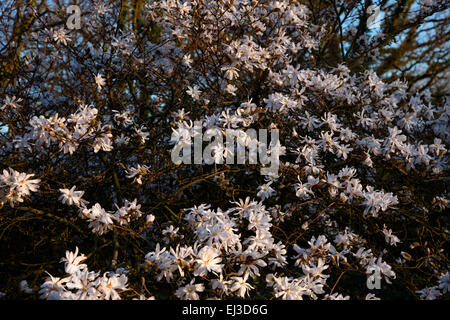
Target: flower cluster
231, 264
100, 220
82, 284
432, 293
14, 186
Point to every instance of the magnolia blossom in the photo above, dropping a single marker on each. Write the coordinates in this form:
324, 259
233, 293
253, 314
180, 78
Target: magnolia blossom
208, 261
99, 80
15, 185
190, 291
82, 284
72, 197
241, 286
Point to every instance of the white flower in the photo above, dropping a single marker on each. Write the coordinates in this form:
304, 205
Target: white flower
24, 287
190, 291
231, 89
149, 219
73, 261
103, 142
20, 181
230, 72
143, 134
187, 60
181, 136
15, 185
444, 282
124, 118
429, 293
194, 92
371, 296
170, 230
100, 221
99, 80
390, 238
208, 260
251, 260
181, 115
240, 285
221, 284
265, 191
380, 268
287, 288
137, 173
315, 271
102, 9
302, 191
110, 284
82, 284
11, 102
122, 140
336, 296
72, 197
441, 202
60, 36
53, 288
376, 200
